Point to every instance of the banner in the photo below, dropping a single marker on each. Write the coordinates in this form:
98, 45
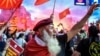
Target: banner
80, 2
14, 49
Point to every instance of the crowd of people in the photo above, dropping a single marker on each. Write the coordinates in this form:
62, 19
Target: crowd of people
44, 40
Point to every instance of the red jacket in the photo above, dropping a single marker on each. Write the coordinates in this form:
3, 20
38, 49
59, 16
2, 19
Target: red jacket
33, 49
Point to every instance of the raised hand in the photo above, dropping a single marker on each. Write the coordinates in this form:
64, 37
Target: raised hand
92, 8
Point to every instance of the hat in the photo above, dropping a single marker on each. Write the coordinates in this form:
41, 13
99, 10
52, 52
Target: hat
42, 23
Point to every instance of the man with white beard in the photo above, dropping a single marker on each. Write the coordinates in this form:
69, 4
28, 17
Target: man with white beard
44, 43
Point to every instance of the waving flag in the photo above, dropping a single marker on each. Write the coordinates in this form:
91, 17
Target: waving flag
39, 2
10, 4
64, 13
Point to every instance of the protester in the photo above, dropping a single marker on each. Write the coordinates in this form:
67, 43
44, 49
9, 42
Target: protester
29, 36
3, 43
40, 44
61, 35
21, 40
89, 46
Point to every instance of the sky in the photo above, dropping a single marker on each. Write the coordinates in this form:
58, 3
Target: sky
45, 10
77, 12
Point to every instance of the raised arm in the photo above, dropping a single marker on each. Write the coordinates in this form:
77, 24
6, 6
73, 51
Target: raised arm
77, 27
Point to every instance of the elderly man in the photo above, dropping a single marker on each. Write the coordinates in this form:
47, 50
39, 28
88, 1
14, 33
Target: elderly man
44, 43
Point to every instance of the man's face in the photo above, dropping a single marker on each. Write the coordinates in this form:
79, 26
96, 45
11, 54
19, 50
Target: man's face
50, 29
47, 32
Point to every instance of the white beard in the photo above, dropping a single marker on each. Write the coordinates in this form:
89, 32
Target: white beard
52, 44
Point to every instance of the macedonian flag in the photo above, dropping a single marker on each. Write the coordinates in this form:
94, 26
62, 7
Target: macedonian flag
10, 4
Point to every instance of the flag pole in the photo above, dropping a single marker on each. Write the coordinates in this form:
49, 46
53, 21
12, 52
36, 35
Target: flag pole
10, 16
53, 8
4, 26
13, 12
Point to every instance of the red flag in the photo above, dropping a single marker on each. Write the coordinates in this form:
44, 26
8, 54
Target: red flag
39, 2
64, 13
10, 4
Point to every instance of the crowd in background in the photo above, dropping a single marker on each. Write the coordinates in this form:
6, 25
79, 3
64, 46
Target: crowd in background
22, 37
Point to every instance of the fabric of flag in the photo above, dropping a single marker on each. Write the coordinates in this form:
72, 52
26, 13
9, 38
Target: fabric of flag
64, 13
39, 2
10, 4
